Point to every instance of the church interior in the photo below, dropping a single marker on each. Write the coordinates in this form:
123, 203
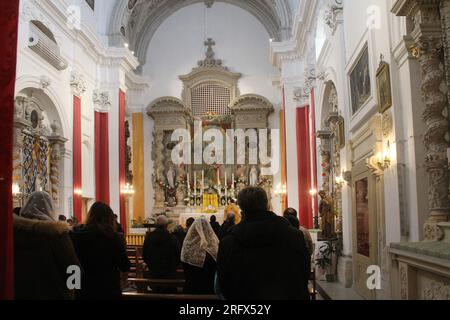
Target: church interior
167, 110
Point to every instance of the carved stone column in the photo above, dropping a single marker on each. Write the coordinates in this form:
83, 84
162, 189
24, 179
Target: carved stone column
157, 157
428, 38
445, 18
325, 153
57, 151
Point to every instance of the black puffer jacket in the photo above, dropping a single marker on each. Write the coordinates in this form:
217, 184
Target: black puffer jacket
42, 253
102, 258
264, 258
161, 253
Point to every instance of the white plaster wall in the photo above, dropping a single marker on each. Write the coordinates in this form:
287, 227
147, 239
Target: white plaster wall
242, 43
30, 67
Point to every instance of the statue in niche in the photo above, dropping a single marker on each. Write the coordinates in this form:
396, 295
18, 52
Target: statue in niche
326, 210
171, 177
253, 179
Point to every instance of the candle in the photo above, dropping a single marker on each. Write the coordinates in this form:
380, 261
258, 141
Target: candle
203, 181
226, 182
218, 176
232, 180
195, 182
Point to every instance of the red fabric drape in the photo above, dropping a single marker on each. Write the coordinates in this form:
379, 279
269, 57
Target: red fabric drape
77, 160
122, 150
102, 157
8, 37
304, 167
314, 150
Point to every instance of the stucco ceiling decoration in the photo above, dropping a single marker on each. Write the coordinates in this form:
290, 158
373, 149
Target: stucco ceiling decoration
136, 21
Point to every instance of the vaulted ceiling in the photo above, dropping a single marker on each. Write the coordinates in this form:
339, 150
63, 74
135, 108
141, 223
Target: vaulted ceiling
135, 21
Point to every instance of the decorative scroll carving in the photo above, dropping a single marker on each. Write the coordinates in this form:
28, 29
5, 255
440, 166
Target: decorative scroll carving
101, 101
333, 14
436, 291
77, 83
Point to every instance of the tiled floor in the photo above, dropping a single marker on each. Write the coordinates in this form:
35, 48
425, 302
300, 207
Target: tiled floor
336, 291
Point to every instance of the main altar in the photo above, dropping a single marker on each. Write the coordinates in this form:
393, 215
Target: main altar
211, 109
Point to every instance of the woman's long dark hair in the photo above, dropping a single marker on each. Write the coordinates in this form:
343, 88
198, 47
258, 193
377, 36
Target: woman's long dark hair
101, 217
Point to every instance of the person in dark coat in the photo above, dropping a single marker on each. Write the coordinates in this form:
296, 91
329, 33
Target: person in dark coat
161, 252
214, 225
118, 225
227, 226
179, 233
263, 258
102, 253
290, 214
43, 251
199, 255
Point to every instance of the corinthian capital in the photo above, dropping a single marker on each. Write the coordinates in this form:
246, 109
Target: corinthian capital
101, 101
77, 83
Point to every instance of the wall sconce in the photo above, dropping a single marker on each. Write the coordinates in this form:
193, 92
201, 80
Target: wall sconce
78, 192
281, 190
16, 189
313, 192
128, 190
340, 180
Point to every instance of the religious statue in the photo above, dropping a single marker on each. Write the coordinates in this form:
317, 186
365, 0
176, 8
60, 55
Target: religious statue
171, 177
326, 210
253, 177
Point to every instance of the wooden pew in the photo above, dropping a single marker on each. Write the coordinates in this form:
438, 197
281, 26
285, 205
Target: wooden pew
156, 296
145, 285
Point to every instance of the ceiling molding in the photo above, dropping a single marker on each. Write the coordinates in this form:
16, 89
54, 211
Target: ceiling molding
144, 19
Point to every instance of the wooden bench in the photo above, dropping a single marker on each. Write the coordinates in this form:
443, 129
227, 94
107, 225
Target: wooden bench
156, 296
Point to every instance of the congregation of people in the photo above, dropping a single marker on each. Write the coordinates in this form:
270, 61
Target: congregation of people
254, 254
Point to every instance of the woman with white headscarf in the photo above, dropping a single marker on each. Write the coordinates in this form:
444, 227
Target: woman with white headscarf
199, 256
43, 251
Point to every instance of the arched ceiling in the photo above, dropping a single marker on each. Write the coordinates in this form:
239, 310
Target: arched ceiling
135, 21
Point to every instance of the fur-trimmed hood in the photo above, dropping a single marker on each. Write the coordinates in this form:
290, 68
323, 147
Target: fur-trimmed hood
40, 227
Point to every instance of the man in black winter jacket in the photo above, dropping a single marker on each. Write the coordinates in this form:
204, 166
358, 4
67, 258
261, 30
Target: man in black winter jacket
263, 258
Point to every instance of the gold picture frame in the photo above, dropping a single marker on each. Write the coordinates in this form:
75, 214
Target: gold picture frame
384, 91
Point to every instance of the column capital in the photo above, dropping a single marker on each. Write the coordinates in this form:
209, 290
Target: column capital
102, 102
77, 83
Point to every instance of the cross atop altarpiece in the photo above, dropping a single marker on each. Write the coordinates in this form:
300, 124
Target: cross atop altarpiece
209, 60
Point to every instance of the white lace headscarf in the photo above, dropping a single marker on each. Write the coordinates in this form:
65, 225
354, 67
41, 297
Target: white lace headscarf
39, 206
199, 240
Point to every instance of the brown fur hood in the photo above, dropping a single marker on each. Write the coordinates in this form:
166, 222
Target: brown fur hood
43, 227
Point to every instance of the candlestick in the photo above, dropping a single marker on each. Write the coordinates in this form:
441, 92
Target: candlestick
203, 181
195, 183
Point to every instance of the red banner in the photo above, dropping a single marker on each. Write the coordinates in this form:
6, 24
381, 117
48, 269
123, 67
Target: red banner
77, 160
102, 157
8, 21
122, 150
304, 167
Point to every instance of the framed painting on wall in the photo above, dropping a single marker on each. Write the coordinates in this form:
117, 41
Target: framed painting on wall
360, 84
384, 87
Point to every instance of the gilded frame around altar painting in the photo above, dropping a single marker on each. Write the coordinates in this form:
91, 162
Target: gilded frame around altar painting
384, 92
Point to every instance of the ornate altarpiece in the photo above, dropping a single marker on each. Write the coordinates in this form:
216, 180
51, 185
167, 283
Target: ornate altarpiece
211, 97
37, 151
